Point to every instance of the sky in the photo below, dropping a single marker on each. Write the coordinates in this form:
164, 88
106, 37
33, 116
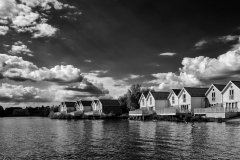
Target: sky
67, 50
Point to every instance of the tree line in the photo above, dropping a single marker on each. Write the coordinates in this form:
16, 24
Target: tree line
43, 111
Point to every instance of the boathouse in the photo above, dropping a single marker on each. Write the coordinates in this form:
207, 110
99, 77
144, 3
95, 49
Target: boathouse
190, 98
107, 106
68, 107
157, 100
85, 105
143, 100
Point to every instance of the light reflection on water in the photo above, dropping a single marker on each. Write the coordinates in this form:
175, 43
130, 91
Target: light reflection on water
43, 138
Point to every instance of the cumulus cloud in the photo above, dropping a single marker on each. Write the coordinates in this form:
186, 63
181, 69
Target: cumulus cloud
20, 48
200, 44
44, 30
19, 93
15, 68
167, 54
25, 16
87, 60
3, 30
195, 70
133, 76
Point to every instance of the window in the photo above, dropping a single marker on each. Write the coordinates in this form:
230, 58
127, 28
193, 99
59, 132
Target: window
231, 94
213, 97
184, 97
150, 100
143, 102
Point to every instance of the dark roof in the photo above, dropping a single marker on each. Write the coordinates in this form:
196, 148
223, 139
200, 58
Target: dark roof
196, 92
237, 83
109, 102
176, 91
86, 103
70, 104
160, 95
220, 87
145, 95
95, 101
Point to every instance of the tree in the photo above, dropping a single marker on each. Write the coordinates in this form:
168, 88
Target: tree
129, 101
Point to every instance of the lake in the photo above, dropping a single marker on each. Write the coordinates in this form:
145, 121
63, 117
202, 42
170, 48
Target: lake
43, 138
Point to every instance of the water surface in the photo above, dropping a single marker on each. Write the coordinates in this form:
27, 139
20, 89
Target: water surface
43, 138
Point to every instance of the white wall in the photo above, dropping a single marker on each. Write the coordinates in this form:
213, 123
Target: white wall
236, 96
188, 99
140, 101
175, 100
218, 96
160, 104
148, 102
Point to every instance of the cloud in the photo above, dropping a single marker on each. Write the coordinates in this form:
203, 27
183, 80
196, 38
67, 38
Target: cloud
89, 61
15, 68
132, 76
28, 16
167, 54
20, 48
44, 30
195, 70
200, 44
228, 38
3, 30
15, 93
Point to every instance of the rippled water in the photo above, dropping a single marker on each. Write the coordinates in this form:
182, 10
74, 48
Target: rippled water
43, 138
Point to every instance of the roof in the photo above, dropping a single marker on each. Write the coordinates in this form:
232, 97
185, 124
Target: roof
95, 101
176, 91
160, 95
109, 102
86, 103
237, 83
145, 95
196, 92
70, 104
220, 87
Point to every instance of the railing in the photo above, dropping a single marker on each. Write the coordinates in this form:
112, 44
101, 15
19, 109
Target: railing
231, 97
141, 112
166, 111
214, 110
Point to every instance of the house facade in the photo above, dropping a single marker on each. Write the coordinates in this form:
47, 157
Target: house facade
143, 101
191, 98
95, 106
173, 98
68, 107
214, 95
85, 105
231, 96
157, 100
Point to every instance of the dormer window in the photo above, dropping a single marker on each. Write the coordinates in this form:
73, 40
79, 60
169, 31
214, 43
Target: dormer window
231, 93
184, 97
173, 101
213, 97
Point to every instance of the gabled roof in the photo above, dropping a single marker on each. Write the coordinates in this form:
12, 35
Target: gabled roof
69, 104
95, 101
175, 91
143, 94
195, 92
86, 103
219, 87
109, 102
237, 83
160, 95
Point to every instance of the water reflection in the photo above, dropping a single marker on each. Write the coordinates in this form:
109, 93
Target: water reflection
43, 138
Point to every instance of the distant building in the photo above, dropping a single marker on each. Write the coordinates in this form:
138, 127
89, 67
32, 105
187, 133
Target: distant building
214, 95
191, 97
95, 106
68, 107
173, 98
143, 100
84, 105
157, 100
107, 106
